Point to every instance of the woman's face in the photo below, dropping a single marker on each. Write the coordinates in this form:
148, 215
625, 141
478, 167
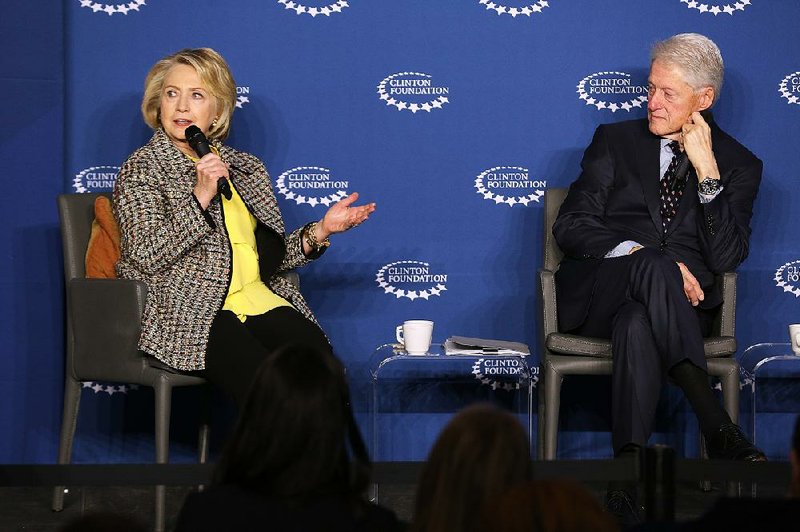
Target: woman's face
185, 101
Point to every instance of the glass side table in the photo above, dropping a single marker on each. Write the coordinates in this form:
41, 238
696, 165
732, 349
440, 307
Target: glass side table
767, 361
443, 384
413, 396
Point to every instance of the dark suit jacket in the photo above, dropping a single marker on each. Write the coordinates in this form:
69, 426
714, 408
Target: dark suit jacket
616, 198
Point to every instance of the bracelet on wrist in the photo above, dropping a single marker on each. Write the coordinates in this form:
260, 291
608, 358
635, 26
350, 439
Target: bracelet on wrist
311, 238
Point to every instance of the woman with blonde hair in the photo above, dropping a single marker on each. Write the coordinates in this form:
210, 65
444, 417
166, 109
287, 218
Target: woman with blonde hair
216, 304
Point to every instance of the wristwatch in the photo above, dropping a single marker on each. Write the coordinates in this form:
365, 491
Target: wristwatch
709, 186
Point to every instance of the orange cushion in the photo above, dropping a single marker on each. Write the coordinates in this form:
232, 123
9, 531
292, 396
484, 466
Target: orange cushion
102, 252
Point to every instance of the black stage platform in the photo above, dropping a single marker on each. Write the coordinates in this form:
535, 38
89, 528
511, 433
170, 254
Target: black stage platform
26, 491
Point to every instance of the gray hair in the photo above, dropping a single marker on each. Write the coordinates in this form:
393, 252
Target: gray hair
696, 56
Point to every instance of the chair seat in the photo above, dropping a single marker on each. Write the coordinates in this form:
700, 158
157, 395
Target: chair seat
152, 369
571, 344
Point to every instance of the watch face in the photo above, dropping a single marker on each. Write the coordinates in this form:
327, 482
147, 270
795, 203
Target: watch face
708, 186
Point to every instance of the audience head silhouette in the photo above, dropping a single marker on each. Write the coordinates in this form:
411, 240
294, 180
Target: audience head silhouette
481, 453
296, 436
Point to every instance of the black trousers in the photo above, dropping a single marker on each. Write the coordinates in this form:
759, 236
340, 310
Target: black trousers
639, 303
236, 350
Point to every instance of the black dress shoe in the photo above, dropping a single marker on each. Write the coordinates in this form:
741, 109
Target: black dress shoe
730, 443
623, 506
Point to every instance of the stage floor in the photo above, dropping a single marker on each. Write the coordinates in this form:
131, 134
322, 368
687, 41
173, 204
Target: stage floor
28, 508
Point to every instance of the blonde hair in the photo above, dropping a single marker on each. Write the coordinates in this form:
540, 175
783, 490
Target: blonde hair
213, 72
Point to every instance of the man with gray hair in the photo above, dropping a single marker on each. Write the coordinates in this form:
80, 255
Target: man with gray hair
660, 207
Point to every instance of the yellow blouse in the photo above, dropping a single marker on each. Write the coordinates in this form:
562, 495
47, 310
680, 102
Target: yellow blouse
247, 294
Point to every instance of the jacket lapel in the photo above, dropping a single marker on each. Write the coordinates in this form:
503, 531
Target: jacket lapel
647, 154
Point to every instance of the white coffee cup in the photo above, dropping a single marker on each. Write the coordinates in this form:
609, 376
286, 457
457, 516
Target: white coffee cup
794, 337
415, 335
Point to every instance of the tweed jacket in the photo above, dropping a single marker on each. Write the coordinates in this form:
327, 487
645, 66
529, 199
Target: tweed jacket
183, 254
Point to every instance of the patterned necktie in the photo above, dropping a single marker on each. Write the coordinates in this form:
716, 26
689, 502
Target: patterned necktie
671, 198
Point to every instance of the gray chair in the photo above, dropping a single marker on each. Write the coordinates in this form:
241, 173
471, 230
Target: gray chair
568, 354
103, 322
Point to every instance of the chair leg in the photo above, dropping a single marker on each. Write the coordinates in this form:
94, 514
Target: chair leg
202, 443
730, 394
72, 399
540, 422
552, 393
728, 376
163, 396
705, 485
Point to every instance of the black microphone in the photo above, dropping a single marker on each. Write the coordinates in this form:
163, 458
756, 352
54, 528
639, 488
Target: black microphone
681, 172
201, 147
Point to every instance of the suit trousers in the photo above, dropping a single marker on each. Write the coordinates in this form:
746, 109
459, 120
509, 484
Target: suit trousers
236, 350
639, 303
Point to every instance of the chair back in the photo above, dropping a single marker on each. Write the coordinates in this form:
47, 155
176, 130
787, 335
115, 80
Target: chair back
103, 316
553, 198
76, 213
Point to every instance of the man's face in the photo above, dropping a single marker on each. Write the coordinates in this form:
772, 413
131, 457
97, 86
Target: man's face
671, 101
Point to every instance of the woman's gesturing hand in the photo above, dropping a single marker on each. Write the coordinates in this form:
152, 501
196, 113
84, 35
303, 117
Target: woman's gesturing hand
342, 216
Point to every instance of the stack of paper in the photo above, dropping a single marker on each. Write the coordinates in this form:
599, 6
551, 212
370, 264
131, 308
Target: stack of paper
461, 345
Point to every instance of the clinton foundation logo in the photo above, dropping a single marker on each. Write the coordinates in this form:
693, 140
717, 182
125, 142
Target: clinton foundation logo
509, 185
503, 373
113, 8
716, 7
315, 8
787, 277
790, 88
242, 96
613, 91
412, 279
515, 9
412, 91
311, 185
96, 179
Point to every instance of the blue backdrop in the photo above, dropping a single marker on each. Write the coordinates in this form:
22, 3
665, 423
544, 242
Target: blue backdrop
452, 116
